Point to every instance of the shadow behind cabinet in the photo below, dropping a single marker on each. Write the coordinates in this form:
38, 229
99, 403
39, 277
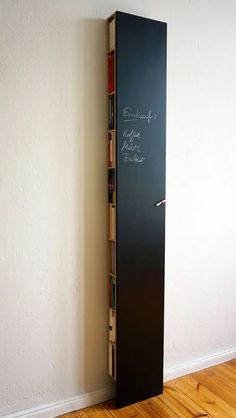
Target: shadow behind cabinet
136, 204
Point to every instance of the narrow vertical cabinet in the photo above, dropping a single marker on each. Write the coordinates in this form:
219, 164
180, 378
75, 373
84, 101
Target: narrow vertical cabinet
136, 137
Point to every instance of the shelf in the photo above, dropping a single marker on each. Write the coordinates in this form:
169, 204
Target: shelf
111, 186
135, 179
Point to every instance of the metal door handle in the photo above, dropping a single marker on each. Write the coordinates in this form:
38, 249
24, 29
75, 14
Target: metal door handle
161, 203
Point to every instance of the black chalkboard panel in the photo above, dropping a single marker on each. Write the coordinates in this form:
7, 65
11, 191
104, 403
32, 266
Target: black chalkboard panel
140, 178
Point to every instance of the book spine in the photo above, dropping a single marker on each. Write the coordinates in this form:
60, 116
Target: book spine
111, 149
112, 326
109, 154
111, 35
110, 371
112, 360
112, 292
111, 185
111, 111
112, 254
112, 223
109, 291
111, 85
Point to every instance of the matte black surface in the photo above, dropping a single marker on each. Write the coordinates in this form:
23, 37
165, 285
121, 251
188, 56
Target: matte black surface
140, 107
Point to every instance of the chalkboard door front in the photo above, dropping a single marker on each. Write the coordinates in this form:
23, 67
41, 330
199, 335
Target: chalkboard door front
141, 132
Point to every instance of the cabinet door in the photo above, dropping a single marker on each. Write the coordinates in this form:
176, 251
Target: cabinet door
141, 131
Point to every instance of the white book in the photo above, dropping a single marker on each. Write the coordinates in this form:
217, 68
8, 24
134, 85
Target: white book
112, 34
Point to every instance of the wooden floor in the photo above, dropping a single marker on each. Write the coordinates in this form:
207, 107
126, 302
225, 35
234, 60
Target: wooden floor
208, 393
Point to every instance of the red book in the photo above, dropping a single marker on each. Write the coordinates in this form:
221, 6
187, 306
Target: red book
111, 84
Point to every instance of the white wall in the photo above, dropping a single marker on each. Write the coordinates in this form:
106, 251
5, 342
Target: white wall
52, 191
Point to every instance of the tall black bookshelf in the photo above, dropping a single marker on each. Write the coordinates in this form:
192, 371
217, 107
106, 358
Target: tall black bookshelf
136, 204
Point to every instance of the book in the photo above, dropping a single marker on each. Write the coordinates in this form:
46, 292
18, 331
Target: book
111, 34
111, 112
112, 222
111, 185
109, 153
112, 360
111, 149
112, 292
109, 291
112, 325
112, 255
111, 84
110, 369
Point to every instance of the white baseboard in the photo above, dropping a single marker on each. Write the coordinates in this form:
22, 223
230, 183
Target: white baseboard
54, 409
199, 364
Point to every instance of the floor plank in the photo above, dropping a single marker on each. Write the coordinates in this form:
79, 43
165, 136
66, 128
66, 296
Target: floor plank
74, 414
155, 408
211, 403
127, 412
227, 373
217, 385
208, 393
232, 362
189, 403
97, 411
